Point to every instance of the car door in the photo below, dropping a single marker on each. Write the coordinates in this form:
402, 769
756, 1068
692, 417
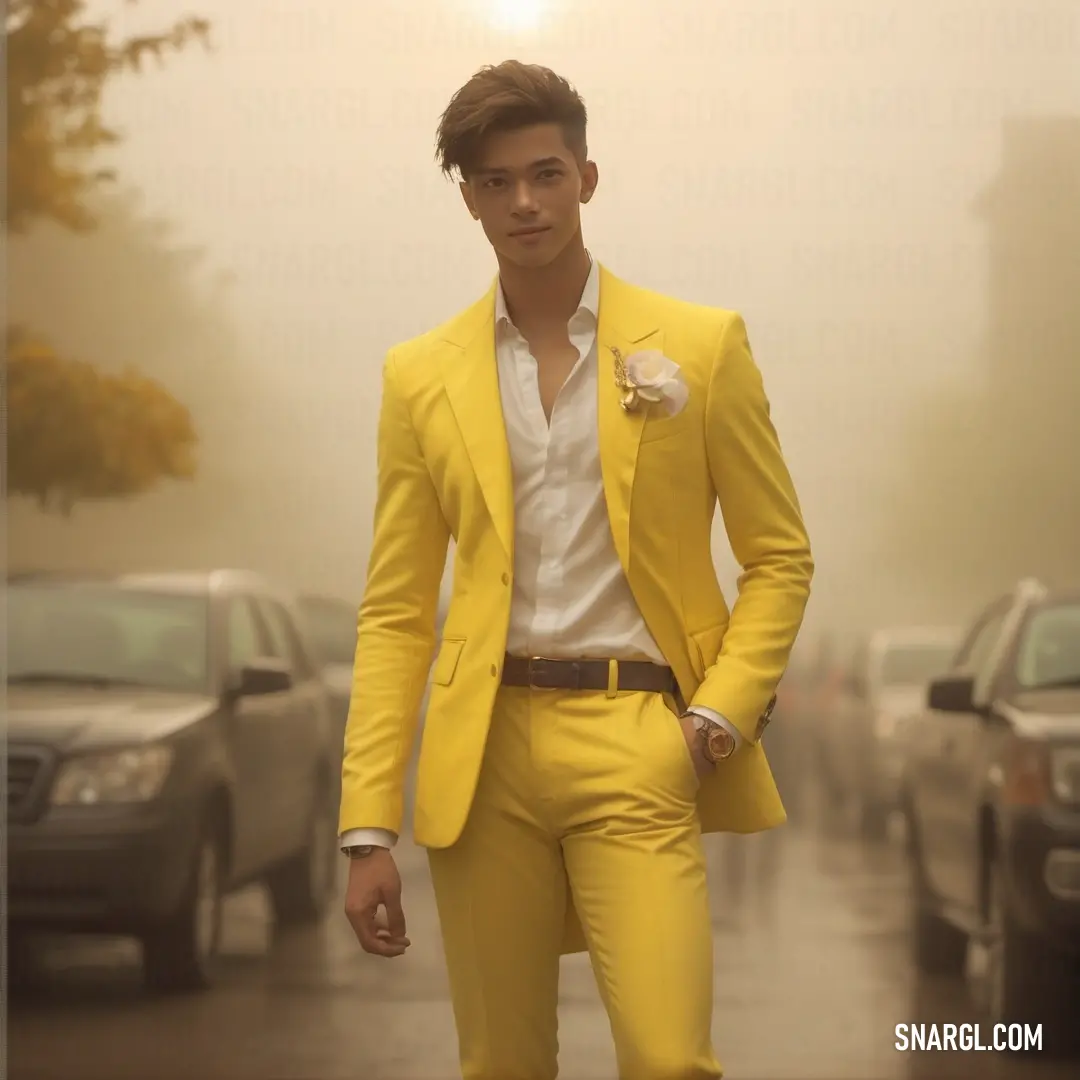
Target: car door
300, 724
255, 743
952, 771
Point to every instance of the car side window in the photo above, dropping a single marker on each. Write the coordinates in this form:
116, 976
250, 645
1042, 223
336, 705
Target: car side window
242, 634
283, 639
978, 650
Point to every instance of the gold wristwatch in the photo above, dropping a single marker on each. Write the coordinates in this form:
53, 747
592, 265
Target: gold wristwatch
358, 851
717, 743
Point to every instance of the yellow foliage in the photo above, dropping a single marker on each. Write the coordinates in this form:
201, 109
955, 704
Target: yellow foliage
57, 67
76, 433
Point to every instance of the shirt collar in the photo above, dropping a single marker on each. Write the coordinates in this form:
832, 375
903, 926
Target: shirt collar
589, 302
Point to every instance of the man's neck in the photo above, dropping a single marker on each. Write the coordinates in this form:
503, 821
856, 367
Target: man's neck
549, 293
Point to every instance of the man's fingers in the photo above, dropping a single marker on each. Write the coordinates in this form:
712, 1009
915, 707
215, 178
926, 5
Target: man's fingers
373, 935
373, 906
382, 931
702, 765
395, 917
372, 939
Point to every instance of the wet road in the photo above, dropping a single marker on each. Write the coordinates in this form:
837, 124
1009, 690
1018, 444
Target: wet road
812, 977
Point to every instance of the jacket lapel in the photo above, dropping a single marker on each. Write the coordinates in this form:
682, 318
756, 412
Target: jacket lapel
620, 327
471, 378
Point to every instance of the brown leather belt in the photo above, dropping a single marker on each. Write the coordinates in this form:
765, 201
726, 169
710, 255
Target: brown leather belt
541, 673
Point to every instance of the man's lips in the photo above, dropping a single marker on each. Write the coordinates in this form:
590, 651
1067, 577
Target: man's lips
532, 231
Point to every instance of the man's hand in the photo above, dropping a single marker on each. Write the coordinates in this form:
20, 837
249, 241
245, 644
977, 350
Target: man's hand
702, 765
373, 904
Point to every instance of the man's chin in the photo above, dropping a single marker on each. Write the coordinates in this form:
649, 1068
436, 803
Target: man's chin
533, 256
531, 260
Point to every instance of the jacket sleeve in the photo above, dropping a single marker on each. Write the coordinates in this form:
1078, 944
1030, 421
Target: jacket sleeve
765, 529
396, 624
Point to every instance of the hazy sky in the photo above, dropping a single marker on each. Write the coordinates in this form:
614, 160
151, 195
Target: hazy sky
811, 164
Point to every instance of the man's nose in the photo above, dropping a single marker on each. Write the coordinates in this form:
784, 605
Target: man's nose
524, 198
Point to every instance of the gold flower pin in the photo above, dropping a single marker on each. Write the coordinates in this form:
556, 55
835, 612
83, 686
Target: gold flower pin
649, 376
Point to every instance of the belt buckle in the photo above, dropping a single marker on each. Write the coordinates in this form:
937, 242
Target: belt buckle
536, 663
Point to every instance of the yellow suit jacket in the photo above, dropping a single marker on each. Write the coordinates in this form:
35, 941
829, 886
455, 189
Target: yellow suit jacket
444, 470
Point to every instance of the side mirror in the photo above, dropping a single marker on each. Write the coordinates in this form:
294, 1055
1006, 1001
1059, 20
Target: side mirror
266, 676
952, 694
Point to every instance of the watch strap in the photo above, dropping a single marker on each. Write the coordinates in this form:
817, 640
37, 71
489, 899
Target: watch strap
700, 722
358, 851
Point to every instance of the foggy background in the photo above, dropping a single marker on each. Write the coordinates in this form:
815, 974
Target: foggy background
889, 193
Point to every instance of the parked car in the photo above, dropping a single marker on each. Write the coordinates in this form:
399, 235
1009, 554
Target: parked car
991, 794
330, 625
168, 742
885, 683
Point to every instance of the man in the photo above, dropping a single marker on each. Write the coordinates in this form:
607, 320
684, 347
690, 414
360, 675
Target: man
574, 434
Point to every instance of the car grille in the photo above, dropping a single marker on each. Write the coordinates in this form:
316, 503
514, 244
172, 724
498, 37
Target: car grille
27, 773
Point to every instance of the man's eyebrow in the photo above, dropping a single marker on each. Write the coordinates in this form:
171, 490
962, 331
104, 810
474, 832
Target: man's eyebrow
496, 170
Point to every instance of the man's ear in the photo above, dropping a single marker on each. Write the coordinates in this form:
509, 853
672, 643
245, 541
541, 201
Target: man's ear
466, 194
590, 177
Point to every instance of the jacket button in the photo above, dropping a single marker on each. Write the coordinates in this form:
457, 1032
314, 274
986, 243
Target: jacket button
506, 579
494, 670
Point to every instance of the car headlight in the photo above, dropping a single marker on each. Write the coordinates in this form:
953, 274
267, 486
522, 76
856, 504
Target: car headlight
124, 776
1065, 773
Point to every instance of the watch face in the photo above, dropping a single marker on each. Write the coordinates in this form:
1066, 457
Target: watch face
721, 743
358, 851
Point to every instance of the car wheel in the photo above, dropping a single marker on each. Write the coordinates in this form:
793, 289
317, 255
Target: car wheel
1019, 977
181, 953
938, 947
302, 889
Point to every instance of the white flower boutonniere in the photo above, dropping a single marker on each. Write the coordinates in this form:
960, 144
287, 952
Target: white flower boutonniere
649, 376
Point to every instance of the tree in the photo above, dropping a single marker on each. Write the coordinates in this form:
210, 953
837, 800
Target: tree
77, 433
133, 290
57, 68
74, 431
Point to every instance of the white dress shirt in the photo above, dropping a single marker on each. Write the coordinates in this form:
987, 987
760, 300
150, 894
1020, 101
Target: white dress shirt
570, 598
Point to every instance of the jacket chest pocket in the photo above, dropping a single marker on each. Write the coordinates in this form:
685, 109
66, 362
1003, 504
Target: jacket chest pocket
659, 428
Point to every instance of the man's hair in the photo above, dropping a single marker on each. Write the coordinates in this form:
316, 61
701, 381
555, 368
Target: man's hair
505, 97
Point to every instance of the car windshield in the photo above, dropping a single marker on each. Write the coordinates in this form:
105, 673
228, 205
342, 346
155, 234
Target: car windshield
915, 664
331, 628
1049, 652
105, 634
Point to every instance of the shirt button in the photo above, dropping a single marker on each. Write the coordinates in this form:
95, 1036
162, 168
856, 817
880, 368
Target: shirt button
506, 579
494, 670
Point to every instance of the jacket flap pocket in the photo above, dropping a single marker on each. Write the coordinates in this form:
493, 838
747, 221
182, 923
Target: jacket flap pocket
442, 672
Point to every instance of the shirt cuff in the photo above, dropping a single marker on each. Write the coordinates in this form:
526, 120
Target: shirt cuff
364, 837
723, 721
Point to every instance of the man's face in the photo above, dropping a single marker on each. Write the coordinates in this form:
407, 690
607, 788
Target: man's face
526, 191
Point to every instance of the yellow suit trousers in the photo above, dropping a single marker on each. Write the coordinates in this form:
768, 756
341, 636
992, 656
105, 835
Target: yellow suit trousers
590, 796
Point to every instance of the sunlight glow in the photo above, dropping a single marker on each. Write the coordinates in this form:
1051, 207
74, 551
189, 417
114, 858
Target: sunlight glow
517, 14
